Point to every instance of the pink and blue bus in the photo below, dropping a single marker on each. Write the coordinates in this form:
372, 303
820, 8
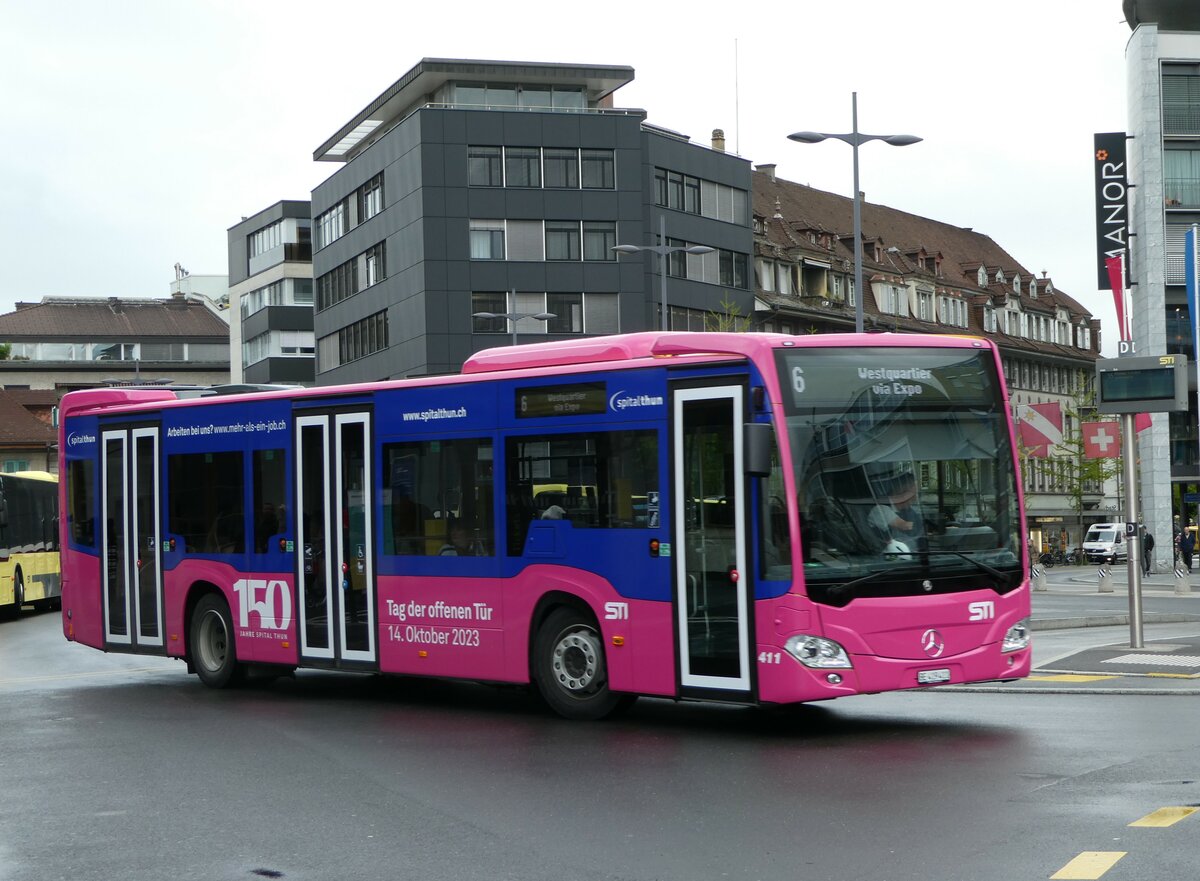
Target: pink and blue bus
751, 518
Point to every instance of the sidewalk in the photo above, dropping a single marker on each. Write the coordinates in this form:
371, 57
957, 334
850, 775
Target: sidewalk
1099, 660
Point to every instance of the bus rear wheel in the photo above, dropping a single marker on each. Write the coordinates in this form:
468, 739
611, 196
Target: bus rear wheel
570, 669
214, 657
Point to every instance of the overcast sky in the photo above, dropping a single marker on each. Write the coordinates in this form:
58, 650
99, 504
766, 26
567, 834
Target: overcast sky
134, 134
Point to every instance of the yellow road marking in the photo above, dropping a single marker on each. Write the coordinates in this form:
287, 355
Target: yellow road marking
1164, 817
1174, 675
1071, 677
1089, 865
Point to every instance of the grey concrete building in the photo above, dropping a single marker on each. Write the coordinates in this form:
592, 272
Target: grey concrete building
501, 187
271, 295
1163, 94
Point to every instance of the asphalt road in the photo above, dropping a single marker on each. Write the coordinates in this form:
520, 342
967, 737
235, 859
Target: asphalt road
124, 767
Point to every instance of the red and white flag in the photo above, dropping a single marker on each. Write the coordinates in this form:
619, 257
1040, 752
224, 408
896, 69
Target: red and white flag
1041, 428
1101, 440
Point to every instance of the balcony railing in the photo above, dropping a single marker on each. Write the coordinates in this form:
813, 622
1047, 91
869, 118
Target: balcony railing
1181, 192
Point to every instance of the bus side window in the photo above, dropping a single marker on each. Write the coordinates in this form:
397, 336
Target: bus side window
437, 498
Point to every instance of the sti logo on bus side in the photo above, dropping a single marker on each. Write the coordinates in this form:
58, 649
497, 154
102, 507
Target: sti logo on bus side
262, 596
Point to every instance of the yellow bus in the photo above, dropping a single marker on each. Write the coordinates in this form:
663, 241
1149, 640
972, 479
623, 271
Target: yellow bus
29, 572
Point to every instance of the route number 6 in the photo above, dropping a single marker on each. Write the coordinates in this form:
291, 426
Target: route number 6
798, 380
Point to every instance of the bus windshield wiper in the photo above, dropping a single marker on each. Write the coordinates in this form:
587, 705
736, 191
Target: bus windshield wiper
995, 573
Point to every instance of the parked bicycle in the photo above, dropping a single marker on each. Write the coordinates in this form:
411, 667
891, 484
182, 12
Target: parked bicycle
1058, 557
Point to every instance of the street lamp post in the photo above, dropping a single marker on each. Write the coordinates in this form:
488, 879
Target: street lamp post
663, 251
854, 139
514, 317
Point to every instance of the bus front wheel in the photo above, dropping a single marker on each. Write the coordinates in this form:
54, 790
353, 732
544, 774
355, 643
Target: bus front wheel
570, 669
214, 657
18, 593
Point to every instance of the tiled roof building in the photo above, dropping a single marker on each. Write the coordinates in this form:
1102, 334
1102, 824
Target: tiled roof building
63, 343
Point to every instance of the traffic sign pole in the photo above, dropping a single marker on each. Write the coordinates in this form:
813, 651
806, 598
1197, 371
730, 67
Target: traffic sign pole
1133, 540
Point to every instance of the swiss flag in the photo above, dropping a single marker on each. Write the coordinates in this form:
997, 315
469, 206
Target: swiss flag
1101, 440
1041, 428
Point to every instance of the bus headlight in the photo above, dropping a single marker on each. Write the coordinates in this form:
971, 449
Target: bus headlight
1017, 637
816, 651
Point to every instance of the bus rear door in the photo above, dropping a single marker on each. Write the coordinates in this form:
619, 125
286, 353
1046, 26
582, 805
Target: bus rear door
130, 516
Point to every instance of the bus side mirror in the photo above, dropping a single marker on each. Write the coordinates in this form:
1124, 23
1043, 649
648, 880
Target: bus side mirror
757, 438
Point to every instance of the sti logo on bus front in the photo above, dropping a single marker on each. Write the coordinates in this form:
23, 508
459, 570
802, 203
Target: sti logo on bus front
262, 596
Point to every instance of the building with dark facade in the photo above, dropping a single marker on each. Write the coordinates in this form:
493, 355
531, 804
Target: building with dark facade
271, 295
1162, 61
502, 187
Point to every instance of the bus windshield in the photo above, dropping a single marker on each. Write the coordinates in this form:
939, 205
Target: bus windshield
904, 471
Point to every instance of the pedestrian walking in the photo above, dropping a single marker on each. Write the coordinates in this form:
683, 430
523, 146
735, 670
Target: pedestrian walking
1187, 546
1147, 550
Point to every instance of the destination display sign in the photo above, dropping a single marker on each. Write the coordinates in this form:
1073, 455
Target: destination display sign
578, 399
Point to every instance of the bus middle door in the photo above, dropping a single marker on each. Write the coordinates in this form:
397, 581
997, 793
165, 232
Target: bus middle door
336, 579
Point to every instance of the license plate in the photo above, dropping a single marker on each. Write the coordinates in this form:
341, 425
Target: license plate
929, 677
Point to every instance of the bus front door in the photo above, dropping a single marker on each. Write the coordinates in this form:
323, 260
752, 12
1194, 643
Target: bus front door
130, 514
335, 581
710, 558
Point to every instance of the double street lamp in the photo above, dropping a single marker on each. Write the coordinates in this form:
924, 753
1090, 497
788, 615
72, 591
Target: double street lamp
854, 139
514, 317
663, 251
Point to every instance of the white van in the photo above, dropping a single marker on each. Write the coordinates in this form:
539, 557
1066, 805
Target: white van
1105, 541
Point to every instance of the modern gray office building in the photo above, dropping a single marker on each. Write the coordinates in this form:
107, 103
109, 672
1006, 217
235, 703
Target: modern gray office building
271, 295
1163, 89
502, 187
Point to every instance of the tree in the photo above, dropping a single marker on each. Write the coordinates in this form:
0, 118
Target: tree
729, 319
1083, 476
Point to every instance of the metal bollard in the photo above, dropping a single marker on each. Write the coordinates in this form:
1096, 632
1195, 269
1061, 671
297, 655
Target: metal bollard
1105, 575
1038, 579
1183, 581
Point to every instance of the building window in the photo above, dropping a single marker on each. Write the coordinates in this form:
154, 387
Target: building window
356, 341
484, 167
597, 170
337, 284
1180, 104
989, 320
599, 239
562, 240
370, 198
374, 264
925, 305
266, 238
487, 239
561, 168
494, 302
331, 224
13, 465
522, 167
568, 312
525, 240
